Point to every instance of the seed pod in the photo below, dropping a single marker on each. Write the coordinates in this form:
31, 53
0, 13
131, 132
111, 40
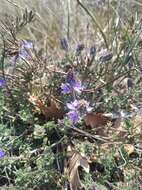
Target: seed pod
93, 51
79, 48
64, 44
70, 78
106, 57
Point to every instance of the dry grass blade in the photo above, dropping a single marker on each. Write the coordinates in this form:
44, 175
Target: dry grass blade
95, 21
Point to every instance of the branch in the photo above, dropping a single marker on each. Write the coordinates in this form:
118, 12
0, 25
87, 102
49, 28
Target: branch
95, 137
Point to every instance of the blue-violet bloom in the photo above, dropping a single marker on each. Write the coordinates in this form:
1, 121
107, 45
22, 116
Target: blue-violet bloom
78, 87
79, 48
65, 88
2, 153
77, 109
73, 105
25, 46
2, 82
70, 78
73, 116
71, 84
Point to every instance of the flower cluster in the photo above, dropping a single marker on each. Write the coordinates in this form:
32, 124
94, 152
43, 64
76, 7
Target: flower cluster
71, 84
77, 108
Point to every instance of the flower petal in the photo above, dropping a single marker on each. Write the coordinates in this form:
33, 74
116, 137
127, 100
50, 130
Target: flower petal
89, 109
25, 46
70, 106
2, 82
70, 78
78, 87
2, 153
65, 88
73, 116
73, 105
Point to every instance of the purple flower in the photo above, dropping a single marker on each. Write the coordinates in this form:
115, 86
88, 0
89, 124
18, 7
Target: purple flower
79, 48
70, 78
71, 84
73, 105
2, 153
78, 87
79, 104
2, 82
65, 88
77, 108
73, 116
25, 46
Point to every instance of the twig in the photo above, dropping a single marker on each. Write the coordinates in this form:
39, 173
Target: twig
124, 164
96, 137
15, 4
105, 84
3, 73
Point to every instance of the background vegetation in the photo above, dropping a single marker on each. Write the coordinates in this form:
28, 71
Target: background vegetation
99, 42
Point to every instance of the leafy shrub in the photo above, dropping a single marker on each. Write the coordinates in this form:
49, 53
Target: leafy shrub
69, 103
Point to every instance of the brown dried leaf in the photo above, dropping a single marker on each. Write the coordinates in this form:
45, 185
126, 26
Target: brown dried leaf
95, 120
75, 161
52, 111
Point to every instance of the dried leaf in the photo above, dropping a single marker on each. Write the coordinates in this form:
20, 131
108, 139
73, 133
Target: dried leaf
95, 120
75, 161
123, 84
129, 148
137, 122
52, 111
